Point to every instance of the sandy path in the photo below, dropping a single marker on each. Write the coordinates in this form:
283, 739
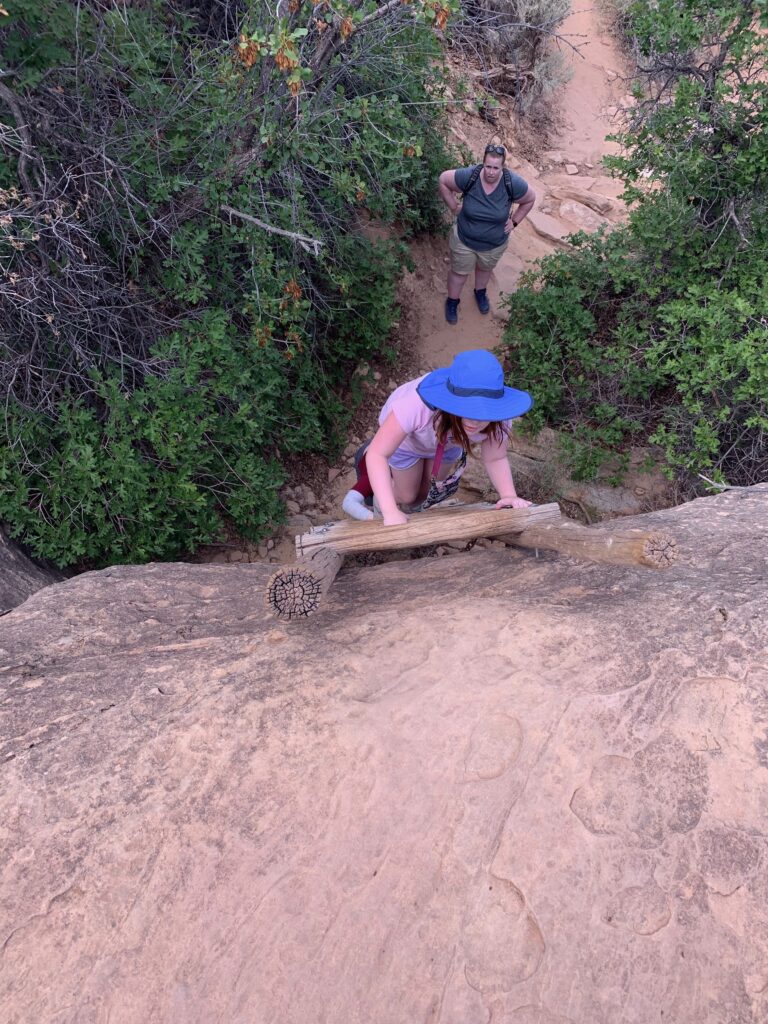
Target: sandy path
594, 88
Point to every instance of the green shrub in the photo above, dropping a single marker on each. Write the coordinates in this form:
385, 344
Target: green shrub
657, 331
185, 280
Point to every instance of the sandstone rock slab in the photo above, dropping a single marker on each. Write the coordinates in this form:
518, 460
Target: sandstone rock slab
581, 216
550, 228
482, 788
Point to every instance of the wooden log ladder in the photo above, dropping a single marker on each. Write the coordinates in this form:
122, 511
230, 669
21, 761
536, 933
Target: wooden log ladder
297, 591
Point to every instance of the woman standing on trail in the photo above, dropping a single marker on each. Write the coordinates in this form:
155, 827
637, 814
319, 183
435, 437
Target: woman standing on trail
426, 429
481, 233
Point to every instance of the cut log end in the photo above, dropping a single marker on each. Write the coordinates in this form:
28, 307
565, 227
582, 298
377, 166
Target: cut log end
296, 591
659, 550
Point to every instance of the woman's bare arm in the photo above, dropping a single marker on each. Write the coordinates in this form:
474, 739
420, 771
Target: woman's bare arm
387, 440
521, 211
448, 190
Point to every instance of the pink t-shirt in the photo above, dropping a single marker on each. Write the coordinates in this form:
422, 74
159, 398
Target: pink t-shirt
415, 417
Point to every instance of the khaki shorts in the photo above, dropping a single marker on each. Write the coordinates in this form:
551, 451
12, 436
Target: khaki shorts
464, 260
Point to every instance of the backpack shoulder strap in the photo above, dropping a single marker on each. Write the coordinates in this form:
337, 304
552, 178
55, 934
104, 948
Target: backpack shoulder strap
472, 179
508, 185
438, 459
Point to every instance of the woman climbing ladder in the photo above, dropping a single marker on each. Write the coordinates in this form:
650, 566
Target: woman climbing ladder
427, 425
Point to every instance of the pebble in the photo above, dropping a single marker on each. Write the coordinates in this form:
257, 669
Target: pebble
350, 450
263, 552
571, 169
298, 524
270, 544
293, 507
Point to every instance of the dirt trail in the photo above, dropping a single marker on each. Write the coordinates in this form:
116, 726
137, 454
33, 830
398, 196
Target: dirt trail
587, 103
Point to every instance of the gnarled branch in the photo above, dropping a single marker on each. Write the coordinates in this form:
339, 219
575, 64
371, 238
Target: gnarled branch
312, 245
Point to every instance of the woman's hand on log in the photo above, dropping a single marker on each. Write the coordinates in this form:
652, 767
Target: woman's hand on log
396, 518
512, 503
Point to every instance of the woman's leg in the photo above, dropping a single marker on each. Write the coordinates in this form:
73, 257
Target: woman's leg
486, 261
411, 485
407, 483
426, 477
482, 277
456, 283
463, 262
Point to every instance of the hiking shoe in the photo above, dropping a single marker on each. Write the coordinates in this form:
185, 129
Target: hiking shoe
452, 310
482, 300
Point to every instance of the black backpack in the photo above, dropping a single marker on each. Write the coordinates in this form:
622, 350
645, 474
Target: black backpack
476, 174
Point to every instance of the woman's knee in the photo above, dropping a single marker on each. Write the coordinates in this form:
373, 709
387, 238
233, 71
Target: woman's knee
407, 483
406, 494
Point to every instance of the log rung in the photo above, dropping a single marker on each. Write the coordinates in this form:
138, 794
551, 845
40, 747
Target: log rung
440, 524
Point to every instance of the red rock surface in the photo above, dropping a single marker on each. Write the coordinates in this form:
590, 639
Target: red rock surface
487, 789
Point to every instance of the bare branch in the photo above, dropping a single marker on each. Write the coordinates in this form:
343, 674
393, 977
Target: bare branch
312, 245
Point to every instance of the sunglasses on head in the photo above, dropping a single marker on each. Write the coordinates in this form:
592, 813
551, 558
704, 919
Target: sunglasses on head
496, 150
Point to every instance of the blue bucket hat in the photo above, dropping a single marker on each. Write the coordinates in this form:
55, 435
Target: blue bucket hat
473, 387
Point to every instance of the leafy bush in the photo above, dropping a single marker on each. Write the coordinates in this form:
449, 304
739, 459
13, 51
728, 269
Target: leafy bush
185, 288
657, 331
